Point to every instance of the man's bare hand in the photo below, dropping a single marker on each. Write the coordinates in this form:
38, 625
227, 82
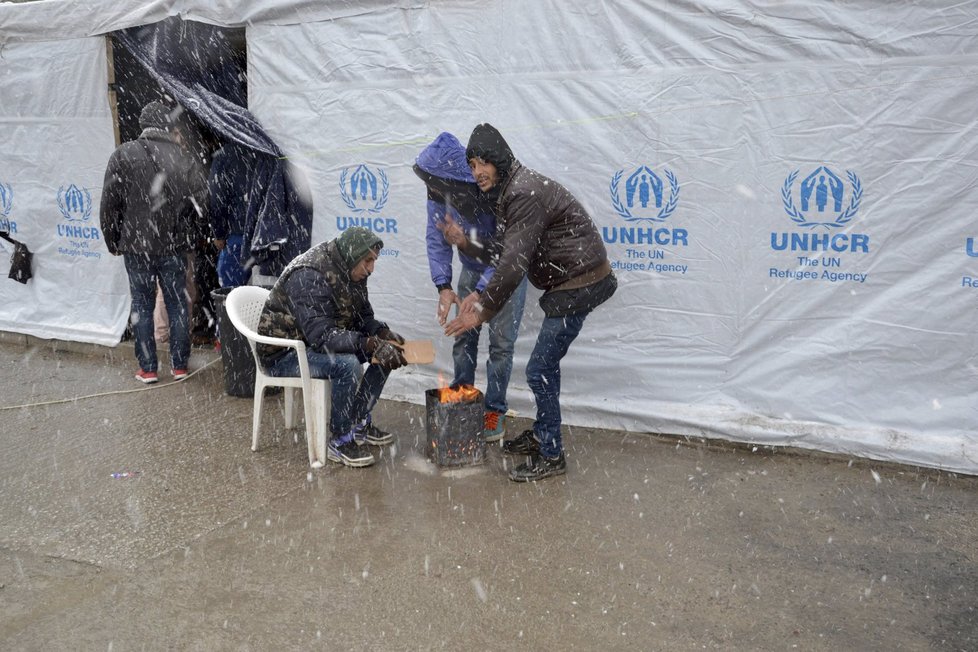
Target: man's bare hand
446, 299
464, 322
453, 232
471, 303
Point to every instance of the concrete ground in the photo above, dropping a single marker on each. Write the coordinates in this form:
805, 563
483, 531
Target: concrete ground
649, 542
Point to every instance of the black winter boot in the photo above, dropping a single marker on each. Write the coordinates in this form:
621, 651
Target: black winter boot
525, 444
538, 468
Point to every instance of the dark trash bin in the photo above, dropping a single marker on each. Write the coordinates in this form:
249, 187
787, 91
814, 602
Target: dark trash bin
239, 364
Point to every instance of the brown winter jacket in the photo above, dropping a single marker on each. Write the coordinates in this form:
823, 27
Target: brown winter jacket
547, 235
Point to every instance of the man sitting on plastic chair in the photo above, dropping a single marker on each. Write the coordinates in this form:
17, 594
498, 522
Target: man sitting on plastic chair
321, 298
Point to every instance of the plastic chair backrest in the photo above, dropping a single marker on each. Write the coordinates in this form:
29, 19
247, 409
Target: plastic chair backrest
244, 305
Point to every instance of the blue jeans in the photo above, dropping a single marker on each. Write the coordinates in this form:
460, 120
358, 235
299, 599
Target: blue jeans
503, 329
355, 392
230, 273
171, 272
543, 377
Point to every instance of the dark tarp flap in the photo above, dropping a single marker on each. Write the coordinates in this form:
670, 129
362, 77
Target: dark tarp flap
192, 61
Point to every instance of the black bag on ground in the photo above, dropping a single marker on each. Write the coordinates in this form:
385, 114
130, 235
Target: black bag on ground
20, 260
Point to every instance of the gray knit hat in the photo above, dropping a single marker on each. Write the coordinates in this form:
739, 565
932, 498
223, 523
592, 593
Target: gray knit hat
155, 114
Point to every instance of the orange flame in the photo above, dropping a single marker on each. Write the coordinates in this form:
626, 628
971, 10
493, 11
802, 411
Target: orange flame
462, 393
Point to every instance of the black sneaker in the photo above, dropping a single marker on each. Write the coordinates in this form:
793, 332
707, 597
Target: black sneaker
525, 444
538, 468
349, 453
368, 433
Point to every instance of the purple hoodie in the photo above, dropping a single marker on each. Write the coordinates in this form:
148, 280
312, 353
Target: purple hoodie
451, 188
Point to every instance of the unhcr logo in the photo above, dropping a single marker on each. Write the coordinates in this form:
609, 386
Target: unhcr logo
645, 197
363, 189
365, 193
6, 204
6, 200
821, 196
821, 202
970, 248
76, 206
75, 203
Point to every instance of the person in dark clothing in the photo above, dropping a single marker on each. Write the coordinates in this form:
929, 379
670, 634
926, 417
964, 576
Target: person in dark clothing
202, 259
321, 298
203, 312
231, 177
149, 213
548, 237
458, 213
203, 318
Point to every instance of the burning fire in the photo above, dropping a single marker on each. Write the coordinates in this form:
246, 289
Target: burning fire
458, 394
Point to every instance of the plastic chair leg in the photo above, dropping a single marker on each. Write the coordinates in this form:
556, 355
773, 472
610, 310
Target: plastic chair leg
256, 421
317, 432
290, 396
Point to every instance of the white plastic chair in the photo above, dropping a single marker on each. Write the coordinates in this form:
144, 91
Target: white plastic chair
244, 305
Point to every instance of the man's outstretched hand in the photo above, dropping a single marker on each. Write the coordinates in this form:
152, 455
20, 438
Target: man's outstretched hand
466, 321
471, 303
446, 299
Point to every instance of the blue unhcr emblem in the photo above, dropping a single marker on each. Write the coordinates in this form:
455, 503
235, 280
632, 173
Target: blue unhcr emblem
6, 200
75, 203
821, 196
360, 189
6, 203
644, 196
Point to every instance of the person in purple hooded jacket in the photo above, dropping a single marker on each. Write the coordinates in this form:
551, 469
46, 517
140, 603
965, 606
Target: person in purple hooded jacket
461, 216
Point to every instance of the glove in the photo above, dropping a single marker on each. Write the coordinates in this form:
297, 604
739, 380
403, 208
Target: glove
389, 356
370, 345
389, 335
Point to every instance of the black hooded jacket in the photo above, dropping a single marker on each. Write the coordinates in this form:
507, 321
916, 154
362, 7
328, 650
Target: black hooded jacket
546, 233
152, 197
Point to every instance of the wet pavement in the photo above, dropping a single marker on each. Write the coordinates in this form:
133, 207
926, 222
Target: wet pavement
649, 542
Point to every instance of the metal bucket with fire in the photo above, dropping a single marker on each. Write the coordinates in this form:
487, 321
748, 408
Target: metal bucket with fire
455, 419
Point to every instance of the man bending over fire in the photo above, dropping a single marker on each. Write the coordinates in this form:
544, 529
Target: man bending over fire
547, 236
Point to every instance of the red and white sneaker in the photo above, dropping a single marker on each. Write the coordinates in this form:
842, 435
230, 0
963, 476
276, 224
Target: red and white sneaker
147, 377
179, 374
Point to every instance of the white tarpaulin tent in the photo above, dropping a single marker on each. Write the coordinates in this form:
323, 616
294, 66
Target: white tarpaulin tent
786, 191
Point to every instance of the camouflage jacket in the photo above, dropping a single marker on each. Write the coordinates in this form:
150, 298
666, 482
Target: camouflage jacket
314, 300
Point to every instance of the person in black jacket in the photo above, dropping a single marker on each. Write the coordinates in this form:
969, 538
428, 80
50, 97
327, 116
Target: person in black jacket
321, 299
150, 210
548, 237
232, 175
